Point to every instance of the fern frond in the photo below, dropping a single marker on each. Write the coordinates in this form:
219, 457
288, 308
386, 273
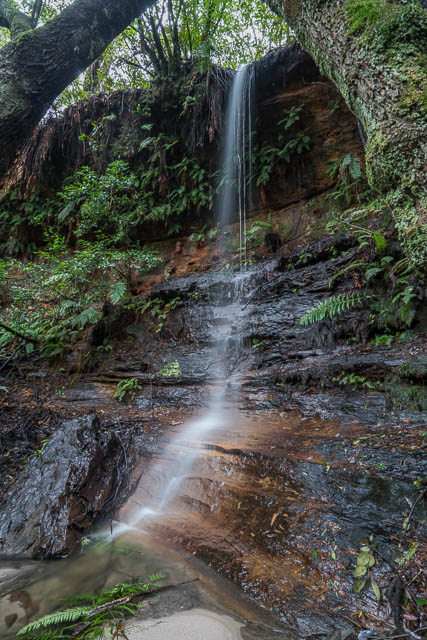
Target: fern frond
87, 316
60, 617
354, 265
156, 577
334, 306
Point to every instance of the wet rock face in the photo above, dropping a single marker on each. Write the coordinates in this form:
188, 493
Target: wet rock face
64, 489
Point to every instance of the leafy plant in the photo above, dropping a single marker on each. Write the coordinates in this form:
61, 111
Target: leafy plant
364, 564
171, 370
332, 307
304, 257
407, 555
54, 619
256, 233
363, 13
349, 179
60, 294
130, 386
353, 380
101, 614
266, 156
385, 338
159, 309
198, 237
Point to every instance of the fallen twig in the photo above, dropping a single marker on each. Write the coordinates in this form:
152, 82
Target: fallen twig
411, 512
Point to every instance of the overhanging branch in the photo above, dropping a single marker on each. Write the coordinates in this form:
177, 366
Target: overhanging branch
13, 19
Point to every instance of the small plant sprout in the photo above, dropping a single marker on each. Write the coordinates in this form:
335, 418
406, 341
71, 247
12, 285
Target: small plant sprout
171, 370
363, 570
125, 388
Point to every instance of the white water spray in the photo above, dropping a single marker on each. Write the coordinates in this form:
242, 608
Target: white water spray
237, 155
234, 194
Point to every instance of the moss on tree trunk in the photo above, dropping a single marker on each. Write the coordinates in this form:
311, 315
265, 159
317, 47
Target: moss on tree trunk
375, 51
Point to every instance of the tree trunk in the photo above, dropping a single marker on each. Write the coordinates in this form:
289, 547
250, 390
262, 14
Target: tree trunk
375, 53
40, 63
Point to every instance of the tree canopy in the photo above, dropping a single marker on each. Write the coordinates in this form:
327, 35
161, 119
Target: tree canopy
169, 38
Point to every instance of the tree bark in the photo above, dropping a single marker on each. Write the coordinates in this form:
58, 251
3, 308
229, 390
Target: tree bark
13, 19
40, 63
379, 67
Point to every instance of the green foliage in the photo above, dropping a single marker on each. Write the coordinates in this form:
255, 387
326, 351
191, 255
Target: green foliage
116, 203
364, 564
171, 370
102, 202
385, 338
363, 13
336, 305
407, 555
103, 615
58, 618
402, 27
19, 217
257, 231
60, 294
198, 237
350, 180
159, 309
353, 380
130, 386
267, 156
118, 291
406, 395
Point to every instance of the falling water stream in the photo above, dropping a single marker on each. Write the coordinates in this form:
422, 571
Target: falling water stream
234, 196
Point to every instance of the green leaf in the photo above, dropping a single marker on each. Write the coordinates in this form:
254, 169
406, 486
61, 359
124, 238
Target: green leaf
376, 589
380, 241
60, 617
360, 571
118, 291
359, 584
363, 559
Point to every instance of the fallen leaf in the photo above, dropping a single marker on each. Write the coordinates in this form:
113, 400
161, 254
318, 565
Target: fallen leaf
376, 589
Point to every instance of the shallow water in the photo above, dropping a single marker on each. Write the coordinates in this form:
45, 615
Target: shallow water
31, 589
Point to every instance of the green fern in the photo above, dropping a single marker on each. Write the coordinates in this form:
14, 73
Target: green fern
87, 316
334, 306
118, 291
354, 265
60, 617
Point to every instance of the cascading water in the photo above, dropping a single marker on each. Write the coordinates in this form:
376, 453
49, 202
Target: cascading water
234, 196
237, 155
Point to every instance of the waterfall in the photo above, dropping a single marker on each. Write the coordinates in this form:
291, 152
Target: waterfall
234, 195
236, 157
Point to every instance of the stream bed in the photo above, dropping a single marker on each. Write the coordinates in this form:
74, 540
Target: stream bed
268, 509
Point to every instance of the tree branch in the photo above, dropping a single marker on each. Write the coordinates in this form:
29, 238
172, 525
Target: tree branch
18, 334
35, 14
14, 20
39, 65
